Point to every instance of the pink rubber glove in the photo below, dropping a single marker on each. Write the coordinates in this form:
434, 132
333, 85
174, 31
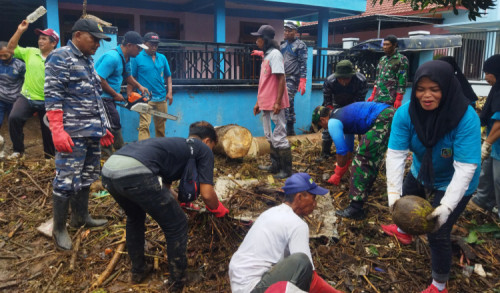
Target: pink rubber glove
62, 140
302, 86
220, 211
339, 172
257, 53
370, 99
399, 99
107, 139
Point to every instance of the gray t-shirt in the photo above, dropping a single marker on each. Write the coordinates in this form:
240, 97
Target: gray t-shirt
11, 79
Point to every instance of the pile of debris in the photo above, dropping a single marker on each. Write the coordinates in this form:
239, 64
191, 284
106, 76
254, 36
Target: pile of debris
355, 256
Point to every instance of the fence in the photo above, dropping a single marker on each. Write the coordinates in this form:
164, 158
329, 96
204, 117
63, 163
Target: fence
364, 61
476, 47
210, 63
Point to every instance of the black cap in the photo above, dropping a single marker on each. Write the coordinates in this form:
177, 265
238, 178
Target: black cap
151, 37
135, 38
265, 30
291, 25
392, 39
90, 26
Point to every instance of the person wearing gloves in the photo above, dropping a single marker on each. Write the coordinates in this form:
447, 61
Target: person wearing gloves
373, 122
139, 175
488, 191
78, 122
443, 132
272, 100
294, 52
340, 89
275, 254
392, 75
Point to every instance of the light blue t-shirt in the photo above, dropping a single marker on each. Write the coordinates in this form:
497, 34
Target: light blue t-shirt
110, 67
495, 149
151, 74
355, 118
462, 144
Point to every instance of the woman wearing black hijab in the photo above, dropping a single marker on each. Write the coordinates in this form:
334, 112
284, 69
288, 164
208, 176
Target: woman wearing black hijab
464, 83
488, 191
443, 132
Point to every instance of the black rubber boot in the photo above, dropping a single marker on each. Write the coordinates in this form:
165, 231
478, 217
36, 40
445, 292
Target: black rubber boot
80, 210
274, 167
285, 156
354, 211
326, 150
290, 131
60, 234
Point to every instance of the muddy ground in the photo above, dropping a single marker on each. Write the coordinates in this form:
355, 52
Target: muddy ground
360, 259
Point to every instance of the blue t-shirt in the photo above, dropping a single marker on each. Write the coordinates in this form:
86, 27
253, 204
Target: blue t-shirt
355, 118
462, 144
495, 149
110, 67
151, 74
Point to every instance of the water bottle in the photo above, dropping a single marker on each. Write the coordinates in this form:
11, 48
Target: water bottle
39, 12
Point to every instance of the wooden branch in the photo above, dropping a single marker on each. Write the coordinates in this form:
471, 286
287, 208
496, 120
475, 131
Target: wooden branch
112, 264
53, 278
34, 182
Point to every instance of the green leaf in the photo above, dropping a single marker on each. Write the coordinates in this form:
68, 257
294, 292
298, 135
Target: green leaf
373, 250
487, 228
472, 237
496, 235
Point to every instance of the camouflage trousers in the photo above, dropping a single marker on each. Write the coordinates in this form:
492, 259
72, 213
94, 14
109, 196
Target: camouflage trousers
369, 156
78, 169
292, 84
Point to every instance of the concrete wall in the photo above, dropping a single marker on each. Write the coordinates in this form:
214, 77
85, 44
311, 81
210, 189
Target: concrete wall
195, 27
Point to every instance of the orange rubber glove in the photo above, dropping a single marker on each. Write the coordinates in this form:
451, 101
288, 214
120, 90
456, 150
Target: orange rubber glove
399, 99
107, 139
318, 285
220, 211
62, 140
257, 53
302, 86
370, 99
339, 172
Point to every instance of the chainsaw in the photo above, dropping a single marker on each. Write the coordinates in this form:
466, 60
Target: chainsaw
139, 103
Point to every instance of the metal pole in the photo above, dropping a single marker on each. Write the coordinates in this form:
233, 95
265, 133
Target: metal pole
378, 31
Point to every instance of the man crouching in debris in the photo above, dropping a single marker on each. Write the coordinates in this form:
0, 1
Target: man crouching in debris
138, 176
373, 121
275, 254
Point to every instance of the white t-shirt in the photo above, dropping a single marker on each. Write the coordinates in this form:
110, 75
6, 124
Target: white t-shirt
277, 233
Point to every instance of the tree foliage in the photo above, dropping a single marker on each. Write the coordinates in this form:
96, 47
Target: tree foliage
475, 7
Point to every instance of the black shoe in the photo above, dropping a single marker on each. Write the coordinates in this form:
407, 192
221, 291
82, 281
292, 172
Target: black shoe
351, 213
274, 167
60, 205
80, 211
326, 150
137, 278
285, 156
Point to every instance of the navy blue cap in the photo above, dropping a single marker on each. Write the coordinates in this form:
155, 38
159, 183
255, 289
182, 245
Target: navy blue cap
299, 182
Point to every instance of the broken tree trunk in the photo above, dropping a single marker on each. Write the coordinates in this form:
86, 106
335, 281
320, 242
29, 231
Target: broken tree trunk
260, 146
234, 141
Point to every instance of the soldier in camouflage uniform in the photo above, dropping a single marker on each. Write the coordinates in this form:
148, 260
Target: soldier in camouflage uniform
73, 95
392, 75
373, 122
294, 52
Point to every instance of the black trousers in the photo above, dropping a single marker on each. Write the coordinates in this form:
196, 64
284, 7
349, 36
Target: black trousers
141, 194
22, 110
